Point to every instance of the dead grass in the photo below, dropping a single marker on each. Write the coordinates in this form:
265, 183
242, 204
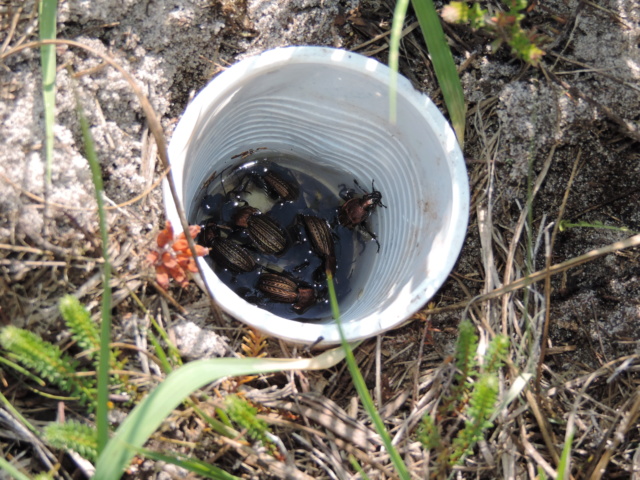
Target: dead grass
516, 276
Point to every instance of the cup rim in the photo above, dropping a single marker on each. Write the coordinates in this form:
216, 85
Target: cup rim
292, 330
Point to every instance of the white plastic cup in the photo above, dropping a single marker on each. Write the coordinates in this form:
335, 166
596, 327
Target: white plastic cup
333, 106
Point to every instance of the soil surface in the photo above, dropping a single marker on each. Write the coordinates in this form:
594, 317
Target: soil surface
566, 130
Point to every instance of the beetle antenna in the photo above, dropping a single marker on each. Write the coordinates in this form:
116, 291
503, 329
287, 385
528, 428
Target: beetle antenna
358, 185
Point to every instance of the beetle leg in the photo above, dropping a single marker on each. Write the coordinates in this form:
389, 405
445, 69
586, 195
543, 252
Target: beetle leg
365, 228
302, 266
243, 186
346, 193
373, 235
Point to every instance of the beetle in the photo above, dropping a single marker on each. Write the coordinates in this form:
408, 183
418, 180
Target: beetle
282, 289
225, 252
218, 207
265, 233
277, 182
357, 209
321, 240
278, 188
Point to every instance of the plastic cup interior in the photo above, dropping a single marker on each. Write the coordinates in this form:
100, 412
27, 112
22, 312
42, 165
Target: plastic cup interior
333, 106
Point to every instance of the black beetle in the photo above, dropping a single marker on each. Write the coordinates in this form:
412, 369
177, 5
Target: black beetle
277, 182
279, 188
321, 240
264, 232
357, 209
282, 289
225, 252
219, 207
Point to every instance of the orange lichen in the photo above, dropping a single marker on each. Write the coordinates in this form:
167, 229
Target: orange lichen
172, 258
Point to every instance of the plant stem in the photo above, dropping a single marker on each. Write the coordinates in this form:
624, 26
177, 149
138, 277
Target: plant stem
394, 54
47, 19
443, 64
361, 388
105, 332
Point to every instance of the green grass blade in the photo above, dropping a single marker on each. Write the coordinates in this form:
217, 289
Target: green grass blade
565, 458
105, 330
566, 225
11, 470
22, 371
399, 14
356, 466
147, 416
47, 17
443, 64
172, 354
363, 393
333, 301
514, 392
9, 406
164, 361
192, 464
221, 428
